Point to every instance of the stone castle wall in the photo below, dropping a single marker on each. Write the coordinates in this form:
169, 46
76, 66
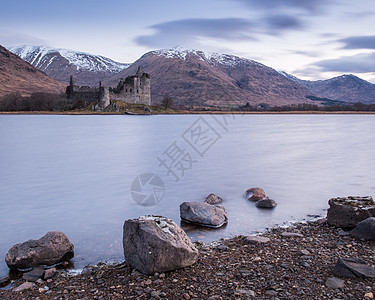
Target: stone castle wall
134, 89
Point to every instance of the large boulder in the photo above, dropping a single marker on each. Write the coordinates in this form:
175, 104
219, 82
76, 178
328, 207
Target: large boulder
156, 244
213, 199
346, 212
54, 247
365, 229
255, 194
353, 267
203, 214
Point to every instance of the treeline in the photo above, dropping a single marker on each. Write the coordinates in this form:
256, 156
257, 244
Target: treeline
35, 102
358, 106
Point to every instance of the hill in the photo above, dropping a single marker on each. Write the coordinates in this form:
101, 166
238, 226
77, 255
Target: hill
16, 75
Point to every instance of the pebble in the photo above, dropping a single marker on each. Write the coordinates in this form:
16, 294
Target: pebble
291, 234
305, 252
25, 286
335, 283
257, 240
222, 248
49, 273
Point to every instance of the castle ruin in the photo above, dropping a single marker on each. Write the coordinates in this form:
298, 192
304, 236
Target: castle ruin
134, 89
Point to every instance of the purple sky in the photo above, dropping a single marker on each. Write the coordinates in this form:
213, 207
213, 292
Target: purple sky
312, 39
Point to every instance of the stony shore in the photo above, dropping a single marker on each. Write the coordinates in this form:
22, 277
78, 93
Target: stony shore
288, 266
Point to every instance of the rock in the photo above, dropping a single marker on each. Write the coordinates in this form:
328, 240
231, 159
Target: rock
52, 248
4, 280
266, 203
335, 283
291, 234
256, 239
365, 229
213, 199
248, 293
49, 273
25, 286
353, 267
222, 248
34, 274
156, 244
369, 295
305, 252
347, 212
203, 214
255, 194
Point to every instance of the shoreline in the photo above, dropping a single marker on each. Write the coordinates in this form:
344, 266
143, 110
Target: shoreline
185, 112
287, 267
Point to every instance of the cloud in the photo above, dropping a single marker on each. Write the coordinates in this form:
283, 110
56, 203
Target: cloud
280, 23
9, 39
360, 63
359, 42
187, 31
311, 6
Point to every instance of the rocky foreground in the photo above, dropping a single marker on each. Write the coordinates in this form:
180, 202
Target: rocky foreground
295, 263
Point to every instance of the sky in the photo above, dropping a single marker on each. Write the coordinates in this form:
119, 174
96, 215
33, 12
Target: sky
311, 39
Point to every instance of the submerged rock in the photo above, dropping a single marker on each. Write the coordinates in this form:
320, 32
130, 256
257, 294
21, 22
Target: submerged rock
346, 212
266, 203
255, 194
365, 229
353, 267
54, 247
156, 244
213, 199
203, 214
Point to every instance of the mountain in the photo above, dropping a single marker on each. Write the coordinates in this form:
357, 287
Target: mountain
17, 75
347, 88
192, 77
60, 64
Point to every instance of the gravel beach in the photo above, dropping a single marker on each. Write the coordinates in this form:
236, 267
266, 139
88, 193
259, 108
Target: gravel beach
295, 263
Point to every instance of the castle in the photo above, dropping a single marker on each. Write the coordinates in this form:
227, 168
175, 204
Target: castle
134, 89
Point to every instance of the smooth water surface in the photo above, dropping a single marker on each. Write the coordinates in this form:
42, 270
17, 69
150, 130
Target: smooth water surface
74, 173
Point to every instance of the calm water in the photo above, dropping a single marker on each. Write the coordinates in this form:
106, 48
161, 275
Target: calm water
73, 173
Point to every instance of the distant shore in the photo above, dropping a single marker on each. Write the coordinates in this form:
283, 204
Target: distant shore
187, 112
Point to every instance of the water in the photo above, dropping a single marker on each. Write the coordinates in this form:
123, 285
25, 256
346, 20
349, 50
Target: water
73, 173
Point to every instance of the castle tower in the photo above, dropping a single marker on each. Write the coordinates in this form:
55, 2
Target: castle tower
139, 72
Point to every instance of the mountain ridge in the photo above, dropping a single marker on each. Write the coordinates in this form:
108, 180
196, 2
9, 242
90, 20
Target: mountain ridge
60, 64
194, 77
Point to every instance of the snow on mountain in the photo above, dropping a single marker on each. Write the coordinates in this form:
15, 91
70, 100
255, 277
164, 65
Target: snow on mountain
42, 57
213, 58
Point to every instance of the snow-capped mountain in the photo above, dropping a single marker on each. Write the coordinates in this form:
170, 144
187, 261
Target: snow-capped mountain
212, 58
196, 78
87, 69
